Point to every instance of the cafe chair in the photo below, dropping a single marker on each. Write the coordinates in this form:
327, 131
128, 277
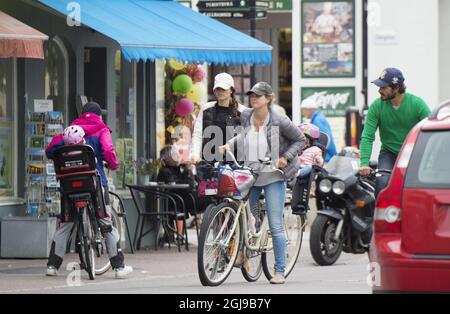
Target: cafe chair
164, 215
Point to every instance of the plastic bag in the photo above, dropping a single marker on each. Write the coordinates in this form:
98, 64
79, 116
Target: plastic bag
243, 180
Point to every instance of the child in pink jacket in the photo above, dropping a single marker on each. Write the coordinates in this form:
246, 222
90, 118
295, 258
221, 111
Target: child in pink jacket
311, 155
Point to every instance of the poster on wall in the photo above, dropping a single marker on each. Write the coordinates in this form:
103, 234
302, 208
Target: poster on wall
333, 103
328, 43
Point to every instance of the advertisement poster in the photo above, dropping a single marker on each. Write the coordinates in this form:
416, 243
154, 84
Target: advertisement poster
333, 103
328, 44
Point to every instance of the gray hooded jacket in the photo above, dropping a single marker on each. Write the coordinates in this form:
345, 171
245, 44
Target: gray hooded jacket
283, 138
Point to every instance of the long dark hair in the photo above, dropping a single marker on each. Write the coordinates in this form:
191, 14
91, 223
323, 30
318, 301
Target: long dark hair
234, 104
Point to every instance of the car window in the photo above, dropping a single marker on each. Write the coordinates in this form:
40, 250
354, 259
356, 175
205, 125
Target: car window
430, 161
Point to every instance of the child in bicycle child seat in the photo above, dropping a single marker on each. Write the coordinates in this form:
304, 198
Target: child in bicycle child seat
88, 129
311, 154
173, 172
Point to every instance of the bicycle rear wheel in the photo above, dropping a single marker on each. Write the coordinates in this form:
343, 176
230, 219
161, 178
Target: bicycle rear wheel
252, 267
294, 226
216, 256
85, 236
116, 209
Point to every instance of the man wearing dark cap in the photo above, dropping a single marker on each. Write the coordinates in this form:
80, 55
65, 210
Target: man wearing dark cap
395, 113
92, 107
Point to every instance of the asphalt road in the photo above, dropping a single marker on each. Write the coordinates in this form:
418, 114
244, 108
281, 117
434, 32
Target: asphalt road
167, 271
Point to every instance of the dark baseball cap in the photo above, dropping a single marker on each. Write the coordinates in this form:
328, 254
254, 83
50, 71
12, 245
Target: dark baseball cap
94, 107
389, 76
260, 89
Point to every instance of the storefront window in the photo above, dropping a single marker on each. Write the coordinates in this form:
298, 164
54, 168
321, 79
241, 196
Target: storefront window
56, 63
125, 120
7, 127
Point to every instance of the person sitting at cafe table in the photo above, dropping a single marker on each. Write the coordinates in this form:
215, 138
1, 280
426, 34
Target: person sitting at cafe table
172, 172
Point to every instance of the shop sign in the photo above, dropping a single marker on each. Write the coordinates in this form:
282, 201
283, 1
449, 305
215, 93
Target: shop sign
234, 8
280, 5
333, 101
43, 105
232, 4
235, 14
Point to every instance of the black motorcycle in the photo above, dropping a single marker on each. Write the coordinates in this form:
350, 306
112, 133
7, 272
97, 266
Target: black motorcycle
345, 204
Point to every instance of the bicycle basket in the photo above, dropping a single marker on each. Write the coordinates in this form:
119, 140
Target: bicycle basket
227, 187
235, 182
244, 181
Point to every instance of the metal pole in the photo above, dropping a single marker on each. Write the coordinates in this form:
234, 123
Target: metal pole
365, 55
252, 34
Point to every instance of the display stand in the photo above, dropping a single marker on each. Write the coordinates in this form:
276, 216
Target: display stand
42, 188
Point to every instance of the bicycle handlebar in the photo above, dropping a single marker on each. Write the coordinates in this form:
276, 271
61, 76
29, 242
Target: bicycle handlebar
267, 162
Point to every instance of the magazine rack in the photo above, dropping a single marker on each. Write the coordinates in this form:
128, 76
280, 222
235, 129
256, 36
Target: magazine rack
42, 189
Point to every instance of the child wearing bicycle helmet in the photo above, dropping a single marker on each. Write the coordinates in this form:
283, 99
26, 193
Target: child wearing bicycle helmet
312, 154
73, 135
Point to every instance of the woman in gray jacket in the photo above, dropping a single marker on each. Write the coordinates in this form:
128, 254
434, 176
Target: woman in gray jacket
267, 134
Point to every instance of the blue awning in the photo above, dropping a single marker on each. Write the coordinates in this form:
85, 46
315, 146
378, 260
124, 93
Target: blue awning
157, 29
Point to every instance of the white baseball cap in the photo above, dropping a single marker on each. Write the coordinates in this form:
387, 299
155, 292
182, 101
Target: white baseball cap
224, 81
309, 103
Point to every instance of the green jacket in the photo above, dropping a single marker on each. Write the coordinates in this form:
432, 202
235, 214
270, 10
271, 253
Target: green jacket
394, 124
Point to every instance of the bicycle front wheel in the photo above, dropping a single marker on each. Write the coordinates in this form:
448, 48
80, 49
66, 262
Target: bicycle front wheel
216, 254
103, 263
294, 226
252, 267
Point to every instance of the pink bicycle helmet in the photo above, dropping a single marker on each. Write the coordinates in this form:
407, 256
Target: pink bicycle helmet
310, 130
73, 134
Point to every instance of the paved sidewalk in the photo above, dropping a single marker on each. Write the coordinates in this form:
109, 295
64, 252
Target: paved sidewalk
28, 275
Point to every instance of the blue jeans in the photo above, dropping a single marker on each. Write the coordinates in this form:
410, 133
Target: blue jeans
304, 171
386, 161
275, 194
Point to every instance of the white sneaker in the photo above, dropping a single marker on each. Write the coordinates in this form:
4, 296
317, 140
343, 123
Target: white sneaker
51, 271
123, 272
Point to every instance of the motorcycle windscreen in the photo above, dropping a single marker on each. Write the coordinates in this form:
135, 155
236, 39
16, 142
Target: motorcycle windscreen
342, 167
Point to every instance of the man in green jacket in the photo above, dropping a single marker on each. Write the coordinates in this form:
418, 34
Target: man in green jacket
395, 113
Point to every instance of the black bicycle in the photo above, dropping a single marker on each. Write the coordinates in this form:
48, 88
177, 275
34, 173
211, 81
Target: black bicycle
83, 203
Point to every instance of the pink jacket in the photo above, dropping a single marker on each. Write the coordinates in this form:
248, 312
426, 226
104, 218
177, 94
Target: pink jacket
311, 156
97, 135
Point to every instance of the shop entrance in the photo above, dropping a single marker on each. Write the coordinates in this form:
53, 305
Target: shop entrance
285, 69
95, 75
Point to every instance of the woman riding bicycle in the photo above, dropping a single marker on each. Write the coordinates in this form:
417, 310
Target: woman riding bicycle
98, 135
267, 134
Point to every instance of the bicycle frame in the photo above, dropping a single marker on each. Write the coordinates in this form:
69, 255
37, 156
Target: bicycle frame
242, 215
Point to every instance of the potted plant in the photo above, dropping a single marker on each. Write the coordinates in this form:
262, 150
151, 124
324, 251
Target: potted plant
146, 169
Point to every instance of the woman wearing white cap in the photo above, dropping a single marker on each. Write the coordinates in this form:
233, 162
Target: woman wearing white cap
223, 112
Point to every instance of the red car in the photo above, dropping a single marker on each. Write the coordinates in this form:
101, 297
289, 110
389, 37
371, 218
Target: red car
410, 249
